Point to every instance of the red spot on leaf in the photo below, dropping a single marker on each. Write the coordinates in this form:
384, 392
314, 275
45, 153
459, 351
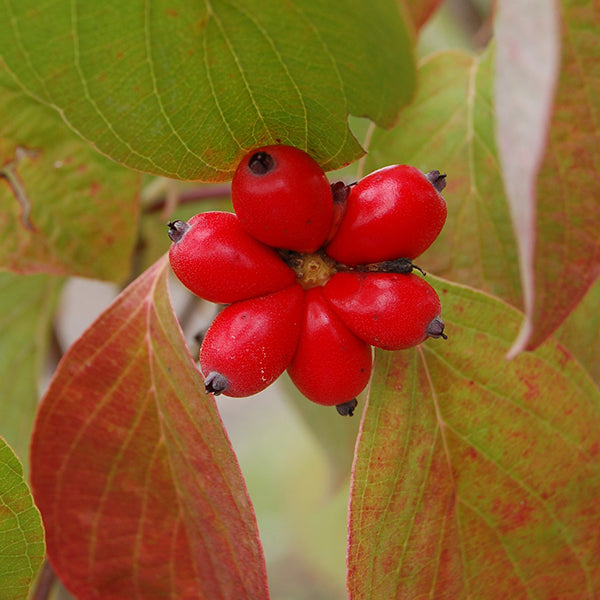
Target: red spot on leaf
533, 390
472, 453
565, 355
512, 515
94, 188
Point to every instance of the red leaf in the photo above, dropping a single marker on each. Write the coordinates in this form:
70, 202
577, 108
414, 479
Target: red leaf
548, 107
138, 486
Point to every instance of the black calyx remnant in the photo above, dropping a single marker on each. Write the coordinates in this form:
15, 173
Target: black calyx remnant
435, 329
261, 163
438, 180
177, 229
346, 409
215, 383
340, 191
398, 265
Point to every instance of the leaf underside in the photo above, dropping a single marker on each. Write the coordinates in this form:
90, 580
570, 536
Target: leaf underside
567, 252
185, 89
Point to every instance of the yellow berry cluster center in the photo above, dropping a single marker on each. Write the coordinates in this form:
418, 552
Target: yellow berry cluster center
312, 270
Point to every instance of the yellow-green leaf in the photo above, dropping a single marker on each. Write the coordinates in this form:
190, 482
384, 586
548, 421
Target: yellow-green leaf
64, 208
477, 477
27, 303
21, 533
450, 127
183, 89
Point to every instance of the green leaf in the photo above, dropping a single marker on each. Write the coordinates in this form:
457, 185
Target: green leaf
580, 332
477, 477
64, 208
449, 127
27, 304
21, 533
184, 89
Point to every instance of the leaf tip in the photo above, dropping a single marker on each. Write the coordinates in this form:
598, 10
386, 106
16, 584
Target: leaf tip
522, 340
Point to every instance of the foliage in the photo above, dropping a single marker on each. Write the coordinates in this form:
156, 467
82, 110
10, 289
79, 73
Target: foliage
474, 475
21, 532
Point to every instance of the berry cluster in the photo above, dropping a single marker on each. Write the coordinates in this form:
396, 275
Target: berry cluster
313, 274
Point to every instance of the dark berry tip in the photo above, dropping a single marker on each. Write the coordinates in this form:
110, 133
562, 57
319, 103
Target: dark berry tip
215, 383
340, 191
177, 229
398, 265
346, 409
438, 180
435, 329
261, 163
200, 335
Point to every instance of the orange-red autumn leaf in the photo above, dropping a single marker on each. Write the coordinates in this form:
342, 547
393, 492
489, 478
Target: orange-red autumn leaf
476, 477
138, 487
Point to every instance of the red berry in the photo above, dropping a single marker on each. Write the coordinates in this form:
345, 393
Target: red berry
250, 343
395, 212
217, 260
331, 365
386, 310
283, 198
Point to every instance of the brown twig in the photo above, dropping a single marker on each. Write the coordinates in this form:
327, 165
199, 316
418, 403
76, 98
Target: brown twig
194, 194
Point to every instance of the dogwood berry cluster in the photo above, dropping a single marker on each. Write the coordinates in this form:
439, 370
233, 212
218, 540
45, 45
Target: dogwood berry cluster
313, 274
